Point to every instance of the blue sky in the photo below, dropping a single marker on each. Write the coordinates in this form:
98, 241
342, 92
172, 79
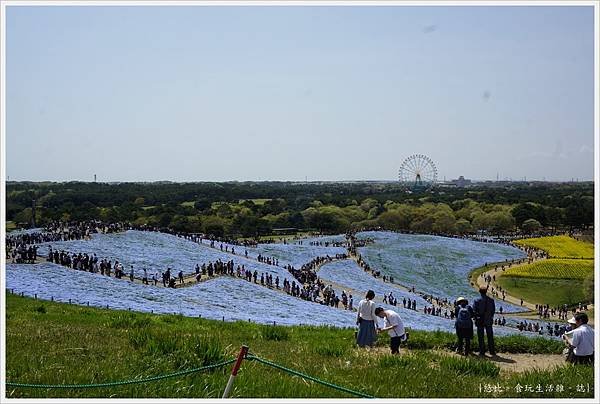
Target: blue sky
288, 93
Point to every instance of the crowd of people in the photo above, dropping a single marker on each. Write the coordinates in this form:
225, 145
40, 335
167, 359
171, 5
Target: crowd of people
577, 334
312, 289
23, 254
308, 286
91, 263
22, 248
562, 312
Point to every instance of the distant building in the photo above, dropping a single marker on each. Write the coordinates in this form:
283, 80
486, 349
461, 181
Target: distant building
461, 182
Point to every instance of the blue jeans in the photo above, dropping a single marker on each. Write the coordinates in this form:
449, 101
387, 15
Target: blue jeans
490, 337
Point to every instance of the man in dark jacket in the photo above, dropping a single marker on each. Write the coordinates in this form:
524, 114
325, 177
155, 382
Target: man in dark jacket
484, 308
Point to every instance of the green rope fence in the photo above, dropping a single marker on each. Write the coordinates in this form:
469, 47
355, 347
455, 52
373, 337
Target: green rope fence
121, 383
308, 377
189, 371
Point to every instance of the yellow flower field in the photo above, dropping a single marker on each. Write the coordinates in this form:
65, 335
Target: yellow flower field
560, 246
553, 268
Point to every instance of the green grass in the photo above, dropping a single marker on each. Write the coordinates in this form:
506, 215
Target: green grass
10, 226
553, 268
189, 204
560, 246
544, 290
64, 343
469, 367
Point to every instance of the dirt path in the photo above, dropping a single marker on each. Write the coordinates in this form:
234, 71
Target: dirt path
507, 362
480, 281
531, 314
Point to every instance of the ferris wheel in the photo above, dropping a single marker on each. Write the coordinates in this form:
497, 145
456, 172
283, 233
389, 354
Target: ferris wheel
418, 171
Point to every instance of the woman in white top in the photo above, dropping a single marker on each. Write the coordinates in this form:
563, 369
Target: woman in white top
366, 321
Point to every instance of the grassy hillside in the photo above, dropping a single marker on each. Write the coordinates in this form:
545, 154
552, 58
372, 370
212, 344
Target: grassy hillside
553, 268
554, 292
560, 246
60, 343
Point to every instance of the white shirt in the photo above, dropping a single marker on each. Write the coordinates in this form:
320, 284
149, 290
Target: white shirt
583, 340
366, 309
392, 318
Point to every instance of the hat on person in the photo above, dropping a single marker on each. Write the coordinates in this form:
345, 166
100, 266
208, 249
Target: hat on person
572, 321
460, 299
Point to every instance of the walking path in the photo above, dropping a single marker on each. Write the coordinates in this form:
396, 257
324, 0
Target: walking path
480, 281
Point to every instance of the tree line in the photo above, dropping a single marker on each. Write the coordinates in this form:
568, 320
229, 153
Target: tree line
257, 208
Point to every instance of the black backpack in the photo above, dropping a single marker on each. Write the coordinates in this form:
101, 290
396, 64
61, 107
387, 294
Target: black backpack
463, 318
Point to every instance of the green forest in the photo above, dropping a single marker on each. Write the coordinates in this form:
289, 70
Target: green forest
253, 209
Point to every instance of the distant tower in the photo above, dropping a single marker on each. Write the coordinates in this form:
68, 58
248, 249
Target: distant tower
497, 176
94, 177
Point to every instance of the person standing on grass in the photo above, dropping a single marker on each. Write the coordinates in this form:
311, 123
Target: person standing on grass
464, 325
365, 319
484, 308
580, 340
394, 327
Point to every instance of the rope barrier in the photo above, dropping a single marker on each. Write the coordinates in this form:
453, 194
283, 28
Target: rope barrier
124, 382
189, 371
308, 377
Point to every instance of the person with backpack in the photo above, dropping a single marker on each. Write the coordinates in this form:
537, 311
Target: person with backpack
464, 325
484, 309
